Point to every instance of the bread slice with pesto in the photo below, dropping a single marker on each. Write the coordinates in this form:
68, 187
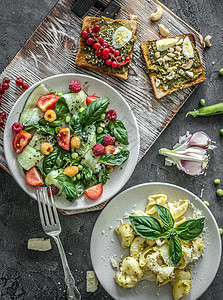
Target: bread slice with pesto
86, 57
173, 63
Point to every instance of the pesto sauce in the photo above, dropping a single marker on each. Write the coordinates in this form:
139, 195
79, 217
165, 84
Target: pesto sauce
108, 28
163, 69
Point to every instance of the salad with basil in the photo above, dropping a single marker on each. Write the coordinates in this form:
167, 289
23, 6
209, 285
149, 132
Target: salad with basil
70, 142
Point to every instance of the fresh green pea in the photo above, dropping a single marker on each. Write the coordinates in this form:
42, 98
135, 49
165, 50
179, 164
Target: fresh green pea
74, 155
221, 72
217, 181
221, 131
80, 167
100, 130
67, 120
219, 192
60, 94
74, 178
107, 110
220, 230
57, 129
103, 116
207, 203
202, 102
78, 176
81, 109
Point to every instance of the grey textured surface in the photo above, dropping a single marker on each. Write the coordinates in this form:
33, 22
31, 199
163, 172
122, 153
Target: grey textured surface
34, 275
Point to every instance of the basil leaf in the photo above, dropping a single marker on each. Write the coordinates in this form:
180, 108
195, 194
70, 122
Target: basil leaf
105, 176
72, 191
59, 120
166, 235
190, 229
175, 250
86, 176
146, 226
61, 106
119, 131
75, 125
165, 216
56, 160
40, 128
94, 110
115, 159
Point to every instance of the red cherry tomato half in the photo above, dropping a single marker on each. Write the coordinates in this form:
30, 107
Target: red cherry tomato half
95, 191
21, 140
63, 138
33, 177
89, 99
110, 150
48, 101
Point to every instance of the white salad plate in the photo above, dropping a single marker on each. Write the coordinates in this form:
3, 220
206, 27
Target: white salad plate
92, 86
105, 243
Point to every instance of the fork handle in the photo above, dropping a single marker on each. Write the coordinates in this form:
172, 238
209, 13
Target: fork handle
72, 291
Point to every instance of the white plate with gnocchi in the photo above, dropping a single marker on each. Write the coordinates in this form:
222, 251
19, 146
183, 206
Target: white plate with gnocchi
129, 265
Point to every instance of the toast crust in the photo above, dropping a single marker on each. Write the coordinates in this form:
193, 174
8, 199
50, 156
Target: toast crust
159, 93
81, 60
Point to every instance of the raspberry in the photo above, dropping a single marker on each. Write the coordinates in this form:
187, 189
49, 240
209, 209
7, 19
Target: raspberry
75, 86
54, 190
98, 149
108, 140
111, 115
17, 127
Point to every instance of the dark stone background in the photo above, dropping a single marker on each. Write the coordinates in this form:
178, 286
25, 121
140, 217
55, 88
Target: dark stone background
32, 275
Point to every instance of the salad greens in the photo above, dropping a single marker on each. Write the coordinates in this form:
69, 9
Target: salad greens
150, 228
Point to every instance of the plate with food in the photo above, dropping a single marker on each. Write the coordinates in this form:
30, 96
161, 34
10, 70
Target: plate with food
156, 240
75, 134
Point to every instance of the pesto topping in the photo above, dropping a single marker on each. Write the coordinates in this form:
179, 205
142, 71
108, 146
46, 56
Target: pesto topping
173, 69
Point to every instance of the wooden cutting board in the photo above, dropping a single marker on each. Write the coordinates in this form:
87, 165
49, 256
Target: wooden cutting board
52, 49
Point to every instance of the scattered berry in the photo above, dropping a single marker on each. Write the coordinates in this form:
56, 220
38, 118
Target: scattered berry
0, 97
54, 190
75, 86
114, 64
19, 81
17, 127
111, 49
111, 115
96, 28
25, 86
119, 59
100, 39
97, 53
105, 45
84, 34
89, 41
116, 53
1, 89
2, 115
6, 80
108, 62
105, 56
96, 46
105, 51
98, 149
108, 140
118, 66
127, 59
5, 86
1, 123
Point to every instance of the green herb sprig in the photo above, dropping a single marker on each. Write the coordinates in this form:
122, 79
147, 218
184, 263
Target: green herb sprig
150, 228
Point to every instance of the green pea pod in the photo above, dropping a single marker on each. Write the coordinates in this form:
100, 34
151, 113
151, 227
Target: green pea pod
211, 110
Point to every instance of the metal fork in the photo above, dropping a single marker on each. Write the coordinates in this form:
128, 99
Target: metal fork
51, 226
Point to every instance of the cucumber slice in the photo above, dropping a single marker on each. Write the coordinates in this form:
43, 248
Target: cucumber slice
29, 157
75, 101
51, 179
91, 141
30, 116
33, 97
91, 161
37, 139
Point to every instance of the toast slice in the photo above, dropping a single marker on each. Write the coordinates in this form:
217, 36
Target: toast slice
81, 59
158, 89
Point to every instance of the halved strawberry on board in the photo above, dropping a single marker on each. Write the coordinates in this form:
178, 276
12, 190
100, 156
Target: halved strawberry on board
95, 191
33, 177
63, 138
47, 101
110, 149
90, 99
21, 140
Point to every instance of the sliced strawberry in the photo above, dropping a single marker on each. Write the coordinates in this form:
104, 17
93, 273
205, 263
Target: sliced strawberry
89, 99
63, 138
33, 177
95, 191
21, 140
48, 101
110, 150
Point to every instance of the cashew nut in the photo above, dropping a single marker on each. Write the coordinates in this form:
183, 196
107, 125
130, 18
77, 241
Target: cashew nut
171, 75
188, 65
207, 42
158, 14
163, 30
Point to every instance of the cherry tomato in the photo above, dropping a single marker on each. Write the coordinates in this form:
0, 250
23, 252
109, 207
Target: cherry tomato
110, 150
89, 99
63, 138
95, 191
21, 140
48, 101
33, 177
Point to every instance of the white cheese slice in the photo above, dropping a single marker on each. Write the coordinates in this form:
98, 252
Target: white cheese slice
92, 282
39, 244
